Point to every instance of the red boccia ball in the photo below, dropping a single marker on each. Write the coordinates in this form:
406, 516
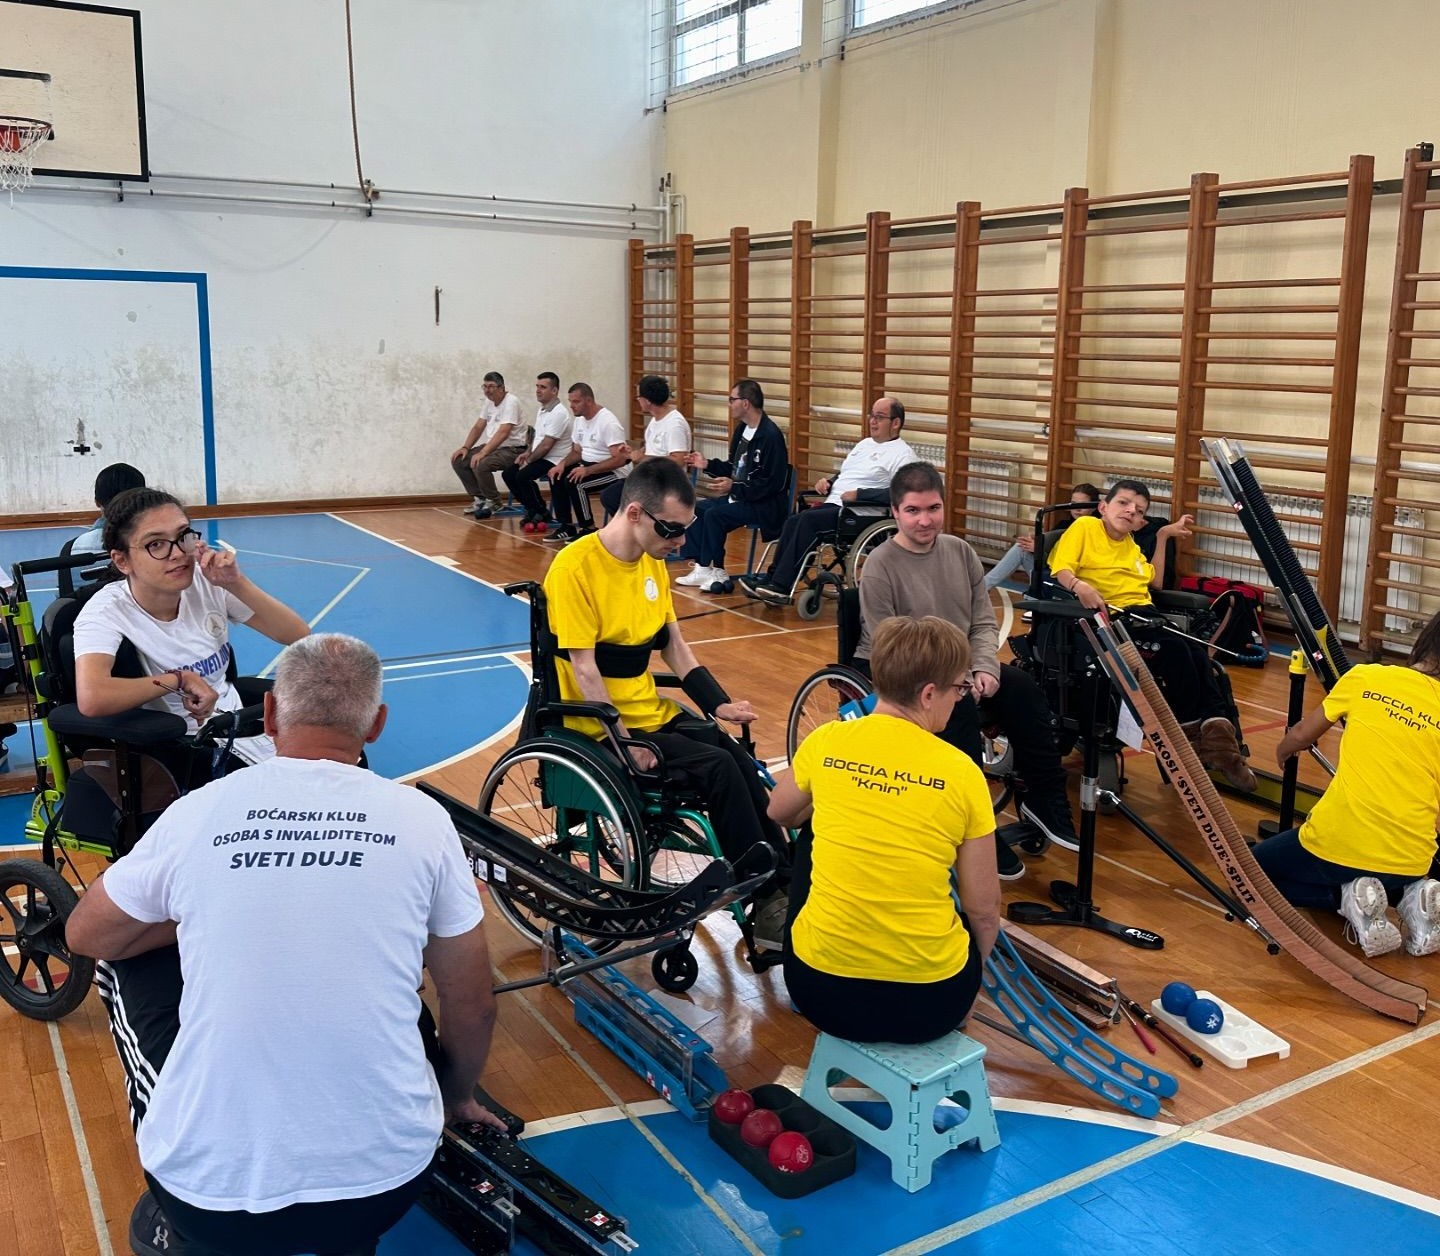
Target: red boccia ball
791, 1152
760, 1127
733, 1106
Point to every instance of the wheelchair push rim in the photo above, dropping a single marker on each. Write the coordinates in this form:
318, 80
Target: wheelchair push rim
818, 701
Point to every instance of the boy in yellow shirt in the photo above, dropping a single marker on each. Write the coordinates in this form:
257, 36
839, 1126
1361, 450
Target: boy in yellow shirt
1098, 561
1371, 837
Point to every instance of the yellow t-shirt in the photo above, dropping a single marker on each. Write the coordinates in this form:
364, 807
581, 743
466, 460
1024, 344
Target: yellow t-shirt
594, 597
1116, 570
1380, 811
893, 803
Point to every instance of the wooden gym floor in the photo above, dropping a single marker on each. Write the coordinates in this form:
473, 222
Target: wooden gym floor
1356, 1091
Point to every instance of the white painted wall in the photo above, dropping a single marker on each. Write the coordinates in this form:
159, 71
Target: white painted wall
331, 377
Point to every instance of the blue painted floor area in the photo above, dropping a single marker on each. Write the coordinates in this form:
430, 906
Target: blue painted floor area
1189, 1200
440, 633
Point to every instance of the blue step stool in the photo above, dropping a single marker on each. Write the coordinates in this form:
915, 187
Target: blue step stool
913, 1080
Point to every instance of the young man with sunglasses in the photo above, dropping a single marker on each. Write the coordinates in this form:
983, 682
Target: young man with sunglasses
923, 571
609, 605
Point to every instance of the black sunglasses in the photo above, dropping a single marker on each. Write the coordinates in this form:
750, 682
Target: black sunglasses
666, 530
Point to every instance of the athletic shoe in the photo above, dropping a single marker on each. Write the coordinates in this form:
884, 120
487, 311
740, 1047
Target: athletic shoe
700, 575
1420, 917
565, 532
1363, 905
480, 512
767, 921
1219, 749
475, 504
772, 596
718, 579
1010, 866
750, 585
1050, 813
149, 1231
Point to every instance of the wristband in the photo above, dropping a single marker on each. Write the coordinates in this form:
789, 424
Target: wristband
704, 690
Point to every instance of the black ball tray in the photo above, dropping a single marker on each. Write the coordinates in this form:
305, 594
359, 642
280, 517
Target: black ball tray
834, 1146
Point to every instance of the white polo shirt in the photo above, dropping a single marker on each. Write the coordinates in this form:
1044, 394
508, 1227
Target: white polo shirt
508, 411
555, 421
668, 434
595, 436
871, 464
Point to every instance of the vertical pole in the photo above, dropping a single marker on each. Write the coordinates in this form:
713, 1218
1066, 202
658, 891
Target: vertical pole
1069, 303
877, 304
959, 400
1194, 346
684, 325
802, 316
636, 271
739, 356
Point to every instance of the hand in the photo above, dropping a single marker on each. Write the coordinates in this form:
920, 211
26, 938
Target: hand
555, 472
469, 1112
822, 486
522, 458
576, 475
476, 458
1181, 526
642, 757
1087, 596
983, 685
695, 460
195, 694
1286, 750
1026, 541
723, 485
849, 496
460, 453
217, 566
736, 712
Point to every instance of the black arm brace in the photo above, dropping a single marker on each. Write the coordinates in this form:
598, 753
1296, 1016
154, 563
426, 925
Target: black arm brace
703, 689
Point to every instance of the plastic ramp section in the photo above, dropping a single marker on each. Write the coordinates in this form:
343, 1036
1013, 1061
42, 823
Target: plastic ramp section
1122, 1080
1312, 626
1295, 934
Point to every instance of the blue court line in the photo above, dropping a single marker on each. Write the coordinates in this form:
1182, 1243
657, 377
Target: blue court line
201, 285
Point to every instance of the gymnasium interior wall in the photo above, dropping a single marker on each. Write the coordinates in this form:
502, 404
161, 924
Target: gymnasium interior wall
332, 377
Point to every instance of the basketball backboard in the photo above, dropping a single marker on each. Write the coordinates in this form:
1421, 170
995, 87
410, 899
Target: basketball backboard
95, 96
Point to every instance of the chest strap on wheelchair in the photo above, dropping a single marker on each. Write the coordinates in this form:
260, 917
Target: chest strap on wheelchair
704, 690
624, 662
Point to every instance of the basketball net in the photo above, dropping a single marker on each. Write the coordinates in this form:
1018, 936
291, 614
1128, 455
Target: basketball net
20, 140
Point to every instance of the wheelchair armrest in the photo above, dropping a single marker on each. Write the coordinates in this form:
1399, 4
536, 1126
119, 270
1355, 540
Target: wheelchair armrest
601, 711
136, 728
252, 689
1055, 609
1179, 600
248, 721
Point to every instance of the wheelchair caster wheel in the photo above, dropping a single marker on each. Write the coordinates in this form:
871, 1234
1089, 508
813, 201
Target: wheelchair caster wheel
807, 605
674, 970
39, 977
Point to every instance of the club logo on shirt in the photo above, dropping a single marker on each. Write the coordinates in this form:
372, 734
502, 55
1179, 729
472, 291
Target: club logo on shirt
652, 590
215, 625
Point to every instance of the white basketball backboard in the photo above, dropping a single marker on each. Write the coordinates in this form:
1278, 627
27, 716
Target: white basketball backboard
95, 97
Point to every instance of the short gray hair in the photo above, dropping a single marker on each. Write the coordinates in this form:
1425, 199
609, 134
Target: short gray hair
328, 680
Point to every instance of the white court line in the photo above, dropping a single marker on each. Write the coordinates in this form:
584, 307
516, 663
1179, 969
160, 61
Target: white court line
1181, 1134
324, 610
454, 671
82, 1147
429, 558
457, 658
509, 728
294, 558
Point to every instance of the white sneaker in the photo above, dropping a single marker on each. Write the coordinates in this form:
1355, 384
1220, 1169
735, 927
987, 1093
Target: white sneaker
1363, 904
717, 576
700, 575
1420, 916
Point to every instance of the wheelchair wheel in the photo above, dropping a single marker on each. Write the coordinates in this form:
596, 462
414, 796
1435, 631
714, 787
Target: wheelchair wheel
866, 544
674, 970
573, 802
38, 976
808, 604
679, 845
819, 701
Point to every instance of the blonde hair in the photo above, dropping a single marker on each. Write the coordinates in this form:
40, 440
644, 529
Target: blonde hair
907, 654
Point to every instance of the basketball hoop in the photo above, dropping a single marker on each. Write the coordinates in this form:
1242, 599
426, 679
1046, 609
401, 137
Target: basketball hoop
20, 140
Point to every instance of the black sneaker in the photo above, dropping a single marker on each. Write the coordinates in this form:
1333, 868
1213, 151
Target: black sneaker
562, 534
750, 586
149, 1231
1051, 814
1010, 866
772, 596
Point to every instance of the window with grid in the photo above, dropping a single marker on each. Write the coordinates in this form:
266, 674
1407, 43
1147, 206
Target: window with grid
867, 13
708, 39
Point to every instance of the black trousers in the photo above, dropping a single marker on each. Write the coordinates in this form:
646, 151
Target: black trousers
705, 758
797, 538
571, 502
1183, 669
863, 1010
524, 484
342, 1227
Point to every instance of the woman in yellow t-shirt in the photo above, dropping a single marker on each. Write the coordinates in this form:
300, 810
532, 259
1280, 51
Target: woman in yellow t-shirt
876, 950
1371, 837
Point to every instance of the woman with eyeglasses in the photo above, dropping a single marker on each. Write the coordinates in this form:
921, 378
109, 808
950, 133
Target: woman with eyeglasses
174, 599
876, 950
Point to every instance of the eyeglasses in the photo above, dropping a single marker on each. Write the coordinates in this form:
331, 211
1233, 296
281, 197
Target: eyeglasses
733, 399
964, 689
881, 418
666, 529
162, 547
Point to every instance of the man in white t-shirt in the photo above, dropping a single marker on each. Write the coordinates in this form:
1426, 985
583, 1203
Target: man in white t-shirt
495, 440
667, 433
864, 477
296, 1110
549, 448
598, 457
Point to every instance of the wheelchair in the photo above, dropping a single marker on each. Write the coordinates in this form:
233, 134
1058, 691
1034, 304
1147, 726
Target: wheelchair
100, 807
580, 799
839, 556
1056, 654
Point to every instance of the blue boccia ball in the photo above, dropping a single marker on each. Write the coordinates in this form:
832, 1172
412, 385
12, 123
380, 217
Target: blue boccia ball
1177, 997
1204, 1016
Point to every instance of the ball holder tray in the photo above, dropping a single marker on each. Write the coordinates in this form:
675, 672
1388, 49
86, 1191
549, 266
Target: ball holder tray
834, 1146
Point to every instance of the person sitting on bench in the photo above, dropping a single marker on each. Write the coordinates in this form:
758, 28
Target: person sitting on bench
1371, 837
1098, 561
876, 950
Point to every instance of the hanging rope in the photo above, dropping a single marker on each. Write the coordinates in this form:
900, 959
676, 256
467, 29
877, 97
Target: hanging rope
367, 189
